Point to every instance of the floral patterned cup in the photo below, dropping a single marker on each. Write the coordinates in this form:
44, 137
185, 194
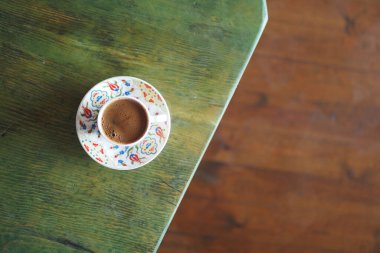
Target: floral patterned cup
151, 119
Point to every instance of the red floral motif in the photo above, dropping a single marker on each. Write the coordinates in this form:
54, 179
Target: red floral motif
134, 158
113, 86
87, 112
150, 99
160, 133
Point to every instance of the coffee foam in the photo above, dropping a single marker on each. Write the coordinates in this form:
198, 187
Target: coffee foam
124, 121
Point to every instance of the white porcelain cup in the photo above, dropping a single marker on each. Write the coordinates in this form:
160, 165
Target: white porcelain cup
151, 119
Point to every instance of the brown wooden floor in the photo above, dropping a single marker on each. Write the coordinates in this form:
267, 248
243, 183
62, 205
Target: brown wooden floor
295, 164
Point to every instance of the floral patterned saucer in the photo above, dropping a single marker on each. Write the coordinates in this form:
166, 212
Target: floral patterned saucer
122, 157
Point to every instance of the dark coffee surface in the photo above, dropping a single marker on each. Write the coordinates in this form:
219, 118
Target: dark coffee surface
124, 121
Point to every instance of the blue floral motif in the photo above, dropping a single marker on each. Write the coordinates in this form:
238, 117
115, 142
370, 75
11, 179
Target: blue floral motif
128, 87
98, 98
121, 162
148, 146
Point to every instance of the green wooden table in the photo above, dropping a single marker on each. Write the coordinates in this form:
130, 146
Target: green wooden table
53, 197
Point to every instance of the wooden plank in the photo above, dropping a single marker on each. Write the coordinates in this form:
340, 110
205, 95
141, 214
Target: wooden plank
55, 198
332, 33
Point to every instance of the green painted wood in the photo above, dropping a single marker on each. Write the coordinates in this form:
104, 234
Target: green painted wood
53, 198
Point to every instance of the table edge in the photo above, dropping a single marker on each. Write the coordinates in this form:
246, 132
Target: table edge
264, 21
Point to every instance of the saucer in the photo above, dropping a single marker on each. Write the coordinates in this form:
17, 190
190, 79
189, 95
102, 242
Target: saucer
106, 153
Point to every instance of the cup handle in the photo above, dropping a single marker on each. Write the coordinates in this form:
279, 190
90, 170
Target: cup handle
159, 118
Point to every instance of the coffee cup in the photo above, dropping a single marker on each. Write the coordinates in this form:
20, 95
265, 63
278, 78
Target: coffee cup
126, 120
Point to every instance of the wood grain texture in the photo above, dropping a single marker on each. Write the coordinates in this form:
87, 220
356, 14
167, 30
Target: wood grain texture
295, 164
53, 198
